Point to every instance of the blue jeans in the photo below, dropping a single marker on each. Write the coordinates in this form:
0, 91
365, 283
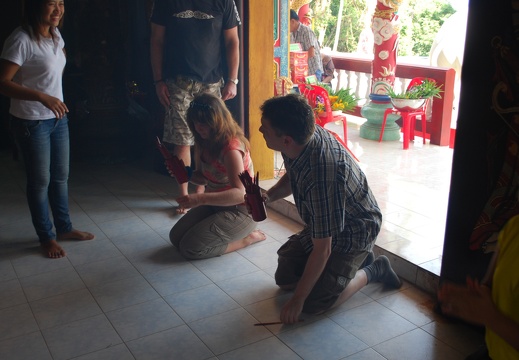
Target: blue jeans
45, 148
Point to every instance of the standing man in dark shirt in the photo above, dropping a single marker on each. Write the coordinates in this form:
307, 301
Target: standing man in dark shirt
187, 39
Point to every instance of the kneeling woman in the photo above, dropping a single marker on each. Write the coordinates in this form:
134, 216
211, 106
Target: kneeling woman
218, 222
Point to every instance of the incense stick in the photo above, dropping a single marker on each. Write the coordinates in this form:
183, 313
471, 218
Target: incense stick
273, 323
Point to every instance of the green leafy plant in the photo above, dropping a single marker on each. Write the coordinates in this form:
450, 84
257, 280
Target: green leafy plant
342, 99
424, 90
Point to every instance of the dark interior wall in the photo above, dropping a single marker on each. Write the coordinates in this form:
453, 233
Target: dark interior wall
10, 19
107, 81
485, 182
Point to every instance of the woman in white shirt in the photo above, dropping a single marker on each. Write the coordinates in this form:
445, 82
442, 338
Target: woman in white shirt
31, 68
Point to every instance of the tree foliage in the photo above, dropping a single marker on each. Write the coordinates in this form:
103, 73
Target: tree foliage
419, 20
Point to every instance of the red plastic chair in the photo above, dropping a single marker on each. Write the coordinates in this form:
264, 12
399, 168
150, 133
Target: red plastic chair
409, 117
312, 92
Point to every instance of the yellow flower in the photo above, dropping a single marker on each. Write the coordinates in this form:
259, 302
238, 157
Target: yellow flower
319, 108
338, 105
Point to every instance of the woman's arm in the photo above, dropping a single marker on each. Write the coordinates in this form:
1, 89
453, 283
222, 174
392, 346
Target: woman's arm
197, 178
13, 90
233, 162
473, 303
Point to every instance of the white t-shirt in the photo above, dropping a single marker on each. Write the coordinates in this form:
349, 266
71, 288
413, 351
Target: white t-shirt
41, 68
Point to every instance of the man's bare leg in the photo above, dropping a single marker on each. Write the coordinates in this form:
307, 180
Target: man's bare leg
380, 270
253, 237
183, 152
357, 283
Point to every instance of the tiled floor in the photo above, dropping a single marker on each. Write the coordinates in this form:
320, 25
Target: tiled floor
129, 295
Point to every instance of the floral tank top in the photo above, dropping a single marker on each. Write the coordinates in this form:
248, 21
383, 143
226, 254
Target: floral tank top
215, 171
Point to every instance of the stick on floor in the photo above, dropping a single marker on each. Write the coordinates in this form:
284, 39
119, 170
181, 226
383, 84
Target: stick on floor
273, 323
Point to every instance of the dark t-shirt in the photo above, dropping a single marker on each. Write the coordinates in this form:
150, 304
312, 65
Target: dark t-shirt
193, 42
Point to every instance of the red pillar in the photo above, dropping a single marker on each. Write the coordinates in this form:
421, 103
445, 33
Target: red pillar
385, 28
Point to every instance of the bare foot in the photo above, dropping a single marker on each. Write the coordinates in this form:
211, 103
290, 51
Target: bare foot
255, 236
76, 235
180, 210
53, 250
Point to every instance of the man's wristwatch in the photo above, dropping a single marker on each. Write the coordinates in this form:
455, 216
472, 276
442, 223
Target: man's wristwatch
235, 81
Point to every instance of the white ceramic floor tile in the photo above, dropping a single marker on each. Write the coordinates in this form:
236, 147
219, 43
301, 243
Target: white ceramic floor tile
33, 262
137, 241
11, 293
144, 319
192, 305
270, 348
417, 344
126, 226
412, 304
225, 267
373, 323
85, 252
107, 270
177, 343
16, 321
30, 346
229, 331
250, 288
71, 340
122, 293
334, 342
51, 283
177, 278
117, 352
130, 295
64, 308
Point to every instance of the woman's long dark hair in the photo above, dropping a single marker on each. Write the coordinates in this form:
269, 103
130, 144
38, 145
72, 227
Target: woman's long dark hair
210, 110
32, 17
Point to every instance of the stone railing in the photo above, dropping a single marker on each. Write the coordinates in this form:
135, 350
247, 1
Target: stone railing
355, 73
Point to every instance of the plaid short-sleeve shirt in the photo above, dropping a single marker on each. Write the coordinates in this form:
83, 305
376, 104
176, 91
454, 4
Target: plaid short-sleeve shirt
332, 195
306, 37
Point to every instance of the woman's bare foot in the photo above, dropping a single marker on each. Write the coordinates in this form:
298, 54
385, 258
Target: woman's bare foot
53, 250
180, 210
253, 237
76, 235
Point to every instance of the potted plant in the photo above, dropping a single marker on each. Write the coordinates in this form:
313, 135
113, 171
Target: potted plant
415, 95
341, 100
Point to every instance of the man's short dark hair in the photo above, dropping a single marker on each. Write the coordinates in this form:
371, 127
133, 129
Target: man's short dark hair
290, 115
293, 15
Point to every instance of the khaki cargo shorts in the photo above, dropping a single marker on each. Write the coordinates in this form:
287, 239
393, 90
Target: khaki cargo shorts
337, 274
182, 91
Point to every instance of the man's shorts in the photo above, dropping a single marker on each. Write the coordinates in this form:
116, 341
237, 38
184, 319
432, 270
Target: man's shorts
337, 274
182, 91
